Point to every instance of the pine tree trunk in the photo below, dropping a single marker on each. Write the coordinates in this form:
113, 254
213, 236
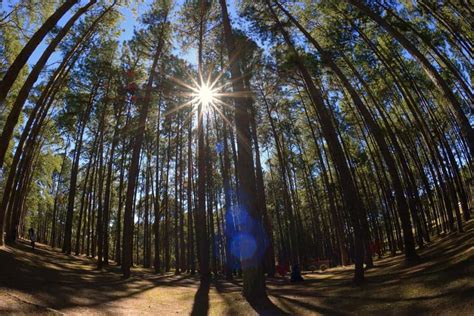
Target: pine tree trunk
466, 129
377, 133
134, 163
166, 209
108, 184
74, 171
176, 201
24, 92
289, 210
100, 204
83, 201
191, 263
252, 265
261, 198
21, 59
201, 227
118, 244
350, 195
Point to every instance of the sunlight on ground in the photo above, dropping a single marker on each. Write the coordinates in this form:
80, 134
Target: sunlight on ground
47, 281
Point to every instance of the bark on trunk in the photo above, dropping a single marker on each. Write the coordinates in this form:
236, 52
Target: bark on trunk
21, 59
466, 129
134, 163
24, 92
352, 201
252, 264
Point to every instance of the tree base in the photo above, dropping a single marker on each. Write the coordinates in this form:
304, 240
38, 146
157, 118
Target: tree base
358, 280
412, 257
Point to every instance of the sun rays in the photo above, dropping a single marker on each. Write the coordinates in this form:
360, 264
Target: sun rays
206, 96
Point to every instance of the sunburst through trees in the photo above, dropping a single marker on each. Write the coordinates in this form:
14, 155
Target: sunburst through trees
236, 138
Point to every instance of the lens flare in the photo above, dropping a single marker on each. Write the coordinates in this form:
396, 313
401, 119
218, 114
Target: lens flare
206, 95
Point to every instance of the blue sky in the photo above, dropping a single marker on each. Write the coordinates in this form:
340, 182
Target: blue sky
130, 21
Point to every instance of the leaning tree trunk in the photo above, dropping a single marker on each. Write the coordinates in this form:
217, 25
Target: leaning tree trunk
350, 195
41, 109
331, 196
466, 129
24, 92
21, 59
376, 132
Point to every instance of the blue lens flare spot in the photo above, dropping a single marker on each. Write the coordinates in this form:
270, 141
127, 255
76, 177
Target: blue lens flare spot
243, 245
219, 147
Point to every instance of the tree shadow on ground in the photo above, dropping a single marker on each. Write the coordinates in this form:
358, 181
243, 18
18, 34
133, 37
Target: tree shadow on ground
262, 306
62, 281
441, 282
201, 299
265, 307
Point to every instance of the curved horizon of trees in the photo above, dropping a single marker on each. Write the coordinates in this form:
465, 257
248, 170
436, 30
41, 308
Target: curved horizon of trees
339, 131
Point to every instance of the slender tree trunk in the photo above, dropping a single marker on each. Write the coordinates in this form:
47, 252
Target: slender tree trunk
100, 204
118, 244
156, 199
261, 198
83, 200
191, 262
24, 92
376, 132
108, 184
466, 129
182, 244
177, 201
352, 201
13, 71
229, 223
134, 163
252, 264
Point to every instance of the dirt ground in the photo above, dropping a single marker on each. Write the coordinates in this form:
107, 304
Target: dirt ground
48, 282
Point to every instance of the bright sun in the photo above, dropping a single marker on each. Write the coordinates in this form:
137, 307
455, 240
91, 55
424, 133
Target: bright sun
206, 95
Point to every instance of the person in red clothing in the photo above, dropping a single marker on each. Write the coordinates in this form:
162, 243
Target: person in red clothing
282, 268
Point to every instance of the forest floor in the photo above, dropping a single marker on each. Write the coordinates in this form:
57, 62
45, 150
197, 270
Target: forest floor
48, 282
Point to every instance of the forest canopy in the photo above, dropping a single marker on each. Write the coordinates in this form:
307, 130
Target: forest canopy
236, 137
